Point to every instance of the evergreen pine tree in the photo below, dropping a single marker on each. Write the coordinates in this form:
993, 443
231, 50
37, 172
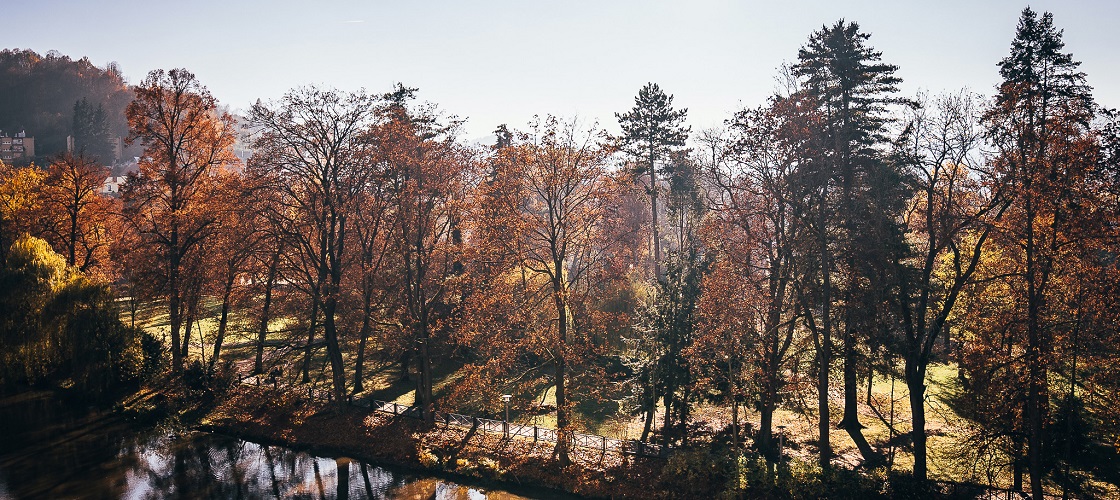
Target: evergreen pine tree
858, 195
90, 131
650, 131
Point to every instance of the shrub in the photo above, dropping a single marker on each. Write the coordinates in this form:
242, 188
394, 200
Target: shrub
154, 354
697, 474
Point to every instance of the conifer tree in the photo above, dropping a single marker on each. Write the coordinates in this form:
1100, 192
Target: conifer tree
857, 196
650, 131
91, 131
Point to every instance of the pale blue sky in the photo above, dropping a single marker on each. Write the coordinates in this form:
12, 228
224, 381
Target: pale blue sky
503, 61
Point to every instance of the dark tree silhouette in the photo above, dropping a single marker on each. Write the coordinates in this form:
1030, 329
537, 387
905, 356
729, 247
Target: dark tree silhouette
858, 196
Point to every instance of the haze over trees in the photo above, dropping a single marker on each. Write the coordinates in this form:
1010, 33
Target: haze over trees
702, 290
51, 96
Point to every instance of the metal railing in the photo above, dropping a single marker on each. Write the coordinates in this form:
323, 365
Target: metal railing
535, 433
528, 432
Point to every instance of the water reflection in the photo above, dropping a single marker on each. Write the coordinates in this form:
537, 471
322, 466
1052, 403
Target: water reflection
52, 453
206, 465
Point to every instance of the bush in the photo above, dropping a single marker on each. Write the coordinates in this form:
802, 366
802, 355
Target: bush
154, 353
197, 376
806, 480
903, 485
697, 474
224, 376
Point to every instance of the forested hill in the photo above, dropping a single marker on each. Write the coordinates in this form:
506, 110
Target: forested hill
41, 94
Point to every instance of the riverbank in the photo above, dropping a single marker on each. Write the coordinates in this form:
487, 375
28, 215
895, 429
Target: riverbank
264, 414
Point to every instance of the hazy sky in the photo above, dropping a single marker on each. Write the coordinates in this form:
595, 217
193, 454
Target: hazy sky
504, 61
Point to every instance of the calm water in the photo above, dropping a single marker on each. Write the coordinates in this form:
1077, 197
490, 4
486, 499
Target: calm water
49, 452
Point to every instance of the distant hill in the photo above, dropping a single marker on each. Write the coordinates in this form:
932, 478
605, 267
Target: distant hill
39, 94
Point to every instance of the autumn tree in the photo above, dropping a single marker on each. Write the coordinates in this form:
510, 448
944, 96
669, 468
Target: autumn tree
373, 223
77, 213
19, 200
650, 131
185, 139
233, 244
267, 257
750, 298
311, 141
427, 176
549, 206
949, 220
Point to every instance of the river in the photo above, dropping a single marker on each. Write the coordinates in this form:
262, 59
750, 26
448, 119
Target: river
50, 451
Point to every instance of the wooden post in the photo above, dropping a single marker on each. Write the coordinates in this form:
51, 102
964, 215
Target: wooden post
535, 437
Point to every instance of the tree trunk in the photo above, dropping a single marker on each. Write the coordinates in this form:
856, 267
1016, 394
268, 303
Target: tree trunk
562, 418
850, 421
223, 321
915, 383
174, 306
870, 383
824, 357
653, 219
405, 361
310, 339
334, 352
133, 305
765, 431
682, 415
262, 332
667, 423
71, 256
1017, 465
359, 362
426, 379
735, 423
192, 310
650, 404
1036, 372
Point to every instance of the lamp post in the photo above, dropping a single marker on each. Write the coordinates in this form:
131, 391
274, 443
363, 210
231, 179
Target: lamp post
505, 423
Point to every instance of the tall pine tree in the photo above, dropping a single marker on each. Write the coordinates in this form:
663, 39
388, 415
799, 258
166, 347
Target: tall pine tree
650, 131
856, 195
